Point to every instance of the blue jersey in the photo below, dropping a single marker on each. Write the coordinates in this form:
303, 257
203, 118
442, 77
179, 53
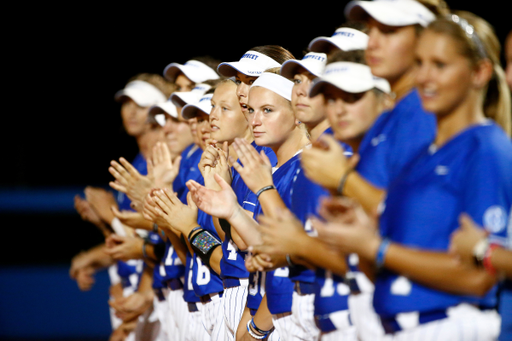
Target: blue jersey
189, 170
205, 280
471, 173
190, 157
233, 260
396, 138
279, 288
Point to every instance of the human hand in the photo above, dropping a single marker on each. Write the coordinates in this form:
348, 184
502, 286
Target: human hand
464, 239
347, 227
132, 219
150, 211
221, 204
127, 308
124, 248
215, 161
325, 162
80, 261
279, 234
101, 201
163, 169
130, 181
256, 170
258, 262
85, 278
86, 212
178, 215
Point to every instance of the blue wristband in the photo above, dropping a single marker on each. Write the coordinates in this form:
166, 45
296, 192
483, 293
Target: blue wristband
381, 253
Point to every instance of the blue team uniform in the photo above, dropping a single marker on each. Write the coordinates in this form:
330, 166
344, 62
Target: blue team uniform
470, 173
205, 281
232, 264
331, 292
278, 287
174, 268
396, 138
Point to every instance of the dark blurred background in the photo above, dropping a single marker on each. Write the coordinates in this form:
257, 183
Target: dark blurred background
62, 66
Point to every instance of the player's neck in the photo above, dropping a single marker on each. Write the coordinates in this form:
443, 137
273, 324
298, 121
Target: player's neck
468, 113
295, 142
317, 130
403, 85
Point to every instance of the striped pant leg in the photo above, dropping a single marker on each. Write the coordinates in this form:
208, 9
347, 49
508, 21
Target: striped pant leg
234, 301
284, 325
303, 318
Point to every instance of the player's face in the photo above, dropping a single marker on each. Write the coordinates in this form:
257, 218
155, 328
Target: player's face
184, 84
390, 52
508, 56
154, 134
444, 77
193, 128
271, 117
203, 130
226, 118
243, 83
177, 133
134, 117
306, 109
350, 114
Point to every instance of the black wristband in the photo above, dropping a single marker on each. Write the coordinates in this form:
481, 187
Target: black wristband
159, 250
343, 180
266, 188
204, 243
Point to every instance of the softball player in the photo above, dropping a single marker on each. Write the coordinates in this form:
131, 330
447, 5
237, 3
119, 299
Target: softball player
420, 291
137, 97
281, 127
252, 64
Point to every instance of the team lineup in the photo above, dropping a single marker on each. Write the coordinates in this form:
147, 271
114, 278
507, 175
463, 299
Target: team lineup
360, 192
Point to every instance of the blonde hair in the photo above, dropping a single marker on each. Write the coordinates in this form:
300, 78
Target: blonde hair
166, 87
438, 7
485, 45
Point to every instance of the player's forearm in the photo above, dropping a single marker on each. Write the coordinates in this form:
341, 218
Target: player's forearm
271, 202
358, 188
218, 228
438, 270
97, 257
501, 260
246, 227
179, 247
215, 260
263, 317
323, 257
146, 280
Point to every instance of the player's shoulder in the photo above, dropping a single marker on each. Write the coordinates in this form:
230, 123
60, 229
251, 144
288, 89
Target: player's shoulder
490, 141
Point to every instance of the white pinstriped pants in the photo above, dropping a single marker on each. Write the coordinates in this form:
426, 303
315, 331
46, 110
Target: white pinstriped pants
212, 314
234, 301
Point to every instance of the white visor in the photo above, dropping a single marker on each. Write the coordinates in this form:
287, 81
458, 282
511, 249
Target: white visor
312, 62
344, 38
276, 83
349, 77
166, 107
192, 110
251, 64
390, 12
160, 119
141, 92
180, 99
194, 70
